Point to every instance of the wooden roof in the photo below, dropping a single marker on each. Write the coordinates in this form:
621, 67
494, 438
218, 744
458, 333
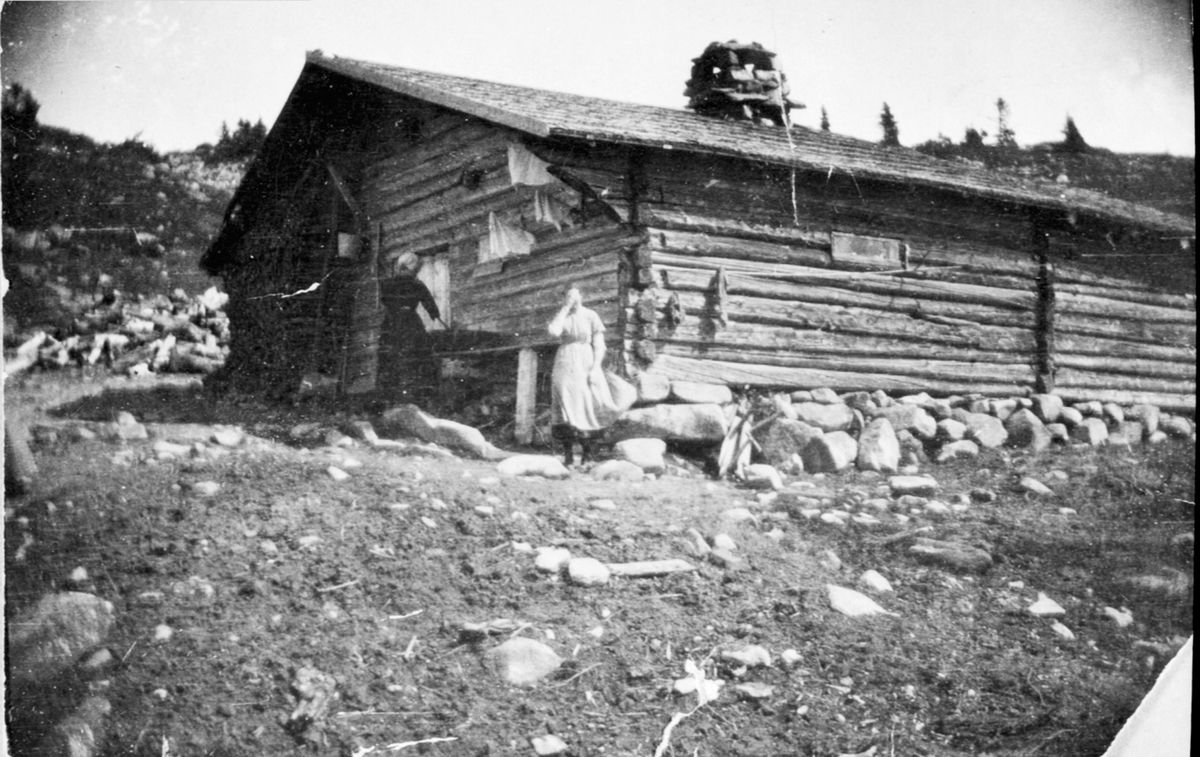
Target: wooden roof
554, 114
543, 113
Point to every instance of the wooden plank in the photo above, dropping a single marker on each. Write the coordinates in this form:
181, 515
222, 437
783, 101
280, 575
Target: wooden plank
527, 366
650, 568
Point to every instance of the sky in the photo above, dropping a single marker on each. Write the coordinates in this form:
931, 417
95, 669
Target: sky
169, 73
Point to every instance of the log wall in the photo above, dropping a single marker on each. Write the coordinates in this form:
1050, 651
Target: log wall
419, 202
957, 317
736, 282
1125, 324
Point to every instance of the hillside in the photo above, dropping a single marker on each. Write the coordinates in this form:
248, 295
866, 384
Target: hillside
1166, 182
83, 218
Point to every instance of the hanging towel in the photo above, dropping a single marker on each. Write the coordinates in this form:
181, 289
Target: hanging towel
549, 209
504, 241
526, 168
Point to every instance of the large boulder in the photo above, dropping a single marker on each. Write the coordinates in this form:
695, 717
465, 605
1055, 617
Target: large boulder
618, 470
826, 396
825, 417
647, 454
985, 430
683, 423
830, 453
908, 417
783, 438
961, 449
1177, 426
950, 430
693, 393
1026, 430
1148, 415
951, 554
523, 661
48, 638
761, 476
412, 421
652, 388
533, 465
878, 448
1047, 407
1092, 431
1070, 417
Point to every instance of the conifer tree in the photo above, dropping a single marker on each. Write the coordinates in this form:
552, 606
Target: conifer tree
1005, 136
1072, 140
891, 132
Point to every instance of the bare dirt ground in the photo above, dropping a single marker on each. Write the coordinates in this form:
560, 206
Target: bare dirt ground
370, 580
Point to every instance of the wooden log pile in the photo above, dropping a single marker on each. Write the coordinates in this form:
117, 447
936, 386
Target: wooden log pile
177, 333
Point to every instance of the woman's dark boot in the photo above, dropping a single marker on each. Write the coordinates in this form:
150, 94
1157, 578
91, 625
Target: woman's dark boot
566, 435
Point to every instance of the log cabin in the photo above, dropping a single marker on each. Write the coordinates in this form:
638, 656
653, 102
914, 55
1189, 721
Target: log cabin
743, 251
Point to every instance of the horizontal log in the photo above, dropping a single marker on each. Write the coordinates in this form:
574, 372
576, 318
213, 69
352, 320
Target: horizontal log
389, 198
488, 312
737, 335
454, 200
821, 195
1123, 350
542, 271
971, 256
1169, 334
942, 369
412, 156
1172, 402
863, 282
528, 328
1075, 272
786, 234
1121, 292
883, 298
580, 249
1081, 379
1078, 304
1125, 366
839, 321
738, 374
712, 246
451, 223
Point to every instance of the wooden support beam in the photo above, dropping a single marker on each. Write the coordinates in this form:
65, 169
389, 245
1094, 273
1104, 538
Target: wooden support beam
527, 365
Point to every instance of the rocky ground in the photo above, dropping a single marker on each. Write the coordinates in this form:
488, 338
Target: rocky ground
236, 578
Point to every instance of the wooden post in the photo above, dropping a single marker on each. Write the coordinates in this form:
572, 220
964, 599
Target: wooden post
527, 365
1044, 367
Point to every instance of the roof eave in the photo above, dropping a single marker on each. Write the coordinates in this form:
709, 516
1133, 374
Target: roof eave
431, 95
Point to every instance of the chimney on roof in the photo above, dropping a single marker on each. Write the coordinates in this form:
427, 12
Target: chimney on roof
739, 82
